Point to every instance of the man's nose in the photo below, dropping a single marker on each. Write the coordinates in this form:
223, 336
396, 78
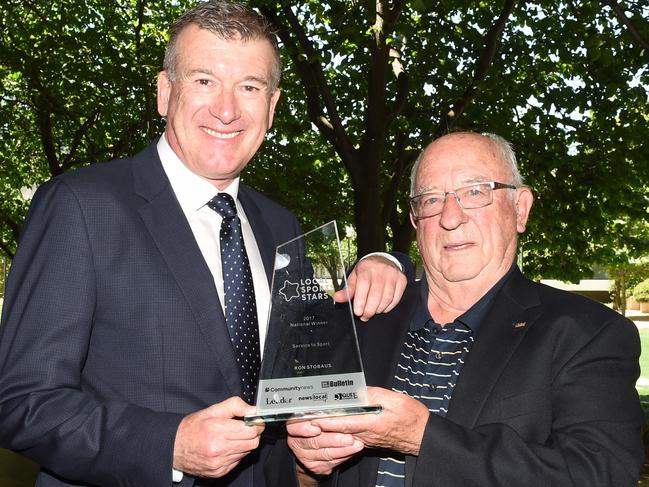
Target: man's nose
225, 106
452, 215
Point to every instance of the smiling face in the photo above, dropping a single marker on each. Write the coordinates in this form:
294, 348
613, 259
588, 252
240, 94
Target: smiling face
220, 106
476, 246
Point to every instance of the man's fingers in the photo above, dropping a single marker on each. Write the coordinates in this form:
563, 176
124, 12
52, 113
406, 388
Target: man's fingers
363, 301
375, 285
350, 290
321, 459
399, 289
302, 429
210, 442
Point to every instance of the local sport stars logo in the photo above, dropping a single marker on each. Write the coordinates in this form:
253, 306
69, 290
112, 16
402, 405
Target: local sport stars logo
305, 290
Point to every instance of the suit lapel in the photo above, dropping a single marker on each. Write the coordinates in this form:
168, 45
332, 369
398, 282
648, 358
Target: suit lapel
377, 343
513, 311
379, 336
173, 237
263, 234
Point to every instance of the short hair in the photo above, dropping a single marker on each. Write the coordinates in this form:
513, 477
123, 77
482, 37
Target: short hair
504, 147
229, 21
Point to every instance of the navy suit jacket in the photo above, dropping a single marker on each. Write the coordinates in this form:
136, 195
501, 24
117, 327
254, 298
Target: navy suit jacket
112, 330
545, 398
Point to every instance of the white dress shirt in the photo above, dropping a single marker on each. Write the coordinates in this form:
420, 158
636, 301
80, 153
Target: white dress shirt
193, 193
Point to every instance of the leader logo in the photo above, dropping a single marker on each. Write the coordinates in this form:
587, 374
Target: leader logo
276, 399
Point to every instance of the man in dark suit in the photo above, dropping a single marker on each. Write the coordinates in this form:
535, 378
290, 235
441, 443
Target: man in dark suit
486, 378
116, 364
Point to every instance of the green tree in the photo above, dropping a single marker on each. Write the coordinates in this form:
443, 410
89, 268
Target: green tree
641, 291
366, 86
565, 82
77, 84
626, 257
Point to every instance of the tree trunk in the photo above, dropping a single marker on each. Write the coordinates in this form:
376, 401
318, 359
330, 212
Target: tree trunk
370, 231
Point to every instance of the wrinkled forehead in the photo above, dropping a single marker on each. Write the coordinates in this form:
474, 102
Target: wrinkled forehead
455, 160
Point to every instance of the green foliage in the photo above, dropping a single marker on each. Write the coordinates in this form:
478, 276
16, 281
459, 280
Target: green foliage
566, 83
625, 275
366, 86
4, 272
78, 87
641, 291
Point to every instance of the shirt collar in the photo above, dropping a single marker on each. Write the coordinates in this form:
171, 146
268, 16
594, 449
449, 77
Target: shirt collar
192, 191
473, 317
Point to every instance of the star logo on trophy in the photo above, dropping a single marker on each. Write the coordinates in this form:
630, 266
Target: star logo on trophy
289, 290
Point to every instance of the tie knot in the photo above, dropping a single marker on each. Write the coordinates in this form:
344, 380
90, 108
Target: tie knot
224, 205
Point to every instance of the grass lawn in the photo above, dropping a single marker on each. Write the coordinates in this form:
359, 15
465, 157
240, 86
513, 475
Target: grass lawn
643, 391
644, 357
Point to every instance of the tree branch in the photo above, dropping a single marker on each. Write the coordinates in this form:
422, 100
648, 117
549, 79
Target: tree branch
319, 98
47, 138
619, 13
401, 161
14, 228
482, 66
377, 121
68, 161
8, 251
403, 88
141, 4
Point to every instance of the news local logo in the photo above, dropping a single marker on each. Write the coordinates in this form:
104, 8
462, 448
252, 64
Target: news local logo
316, 396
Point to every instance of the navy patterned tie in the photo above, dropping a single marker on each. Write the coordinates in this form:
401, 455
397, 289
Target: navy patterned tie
240, 307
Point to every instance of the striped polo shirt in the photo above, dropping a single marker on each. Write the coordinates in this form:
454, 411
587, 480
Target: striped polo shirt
430, 364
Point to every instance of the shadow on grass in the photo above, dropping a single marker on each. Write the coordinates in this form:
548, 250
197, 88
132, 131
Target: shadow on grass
644, 400
16, 471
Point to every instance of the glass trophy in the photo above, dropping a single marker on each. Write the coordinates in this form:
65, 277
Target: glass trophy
311, 365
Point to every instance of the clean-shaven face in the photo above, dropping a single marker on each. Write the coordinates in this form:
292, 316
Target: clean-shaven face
476, 245
219, 107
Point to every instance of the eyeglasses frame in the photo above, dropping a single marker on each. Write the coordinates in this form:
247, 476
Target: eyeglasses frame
493, 184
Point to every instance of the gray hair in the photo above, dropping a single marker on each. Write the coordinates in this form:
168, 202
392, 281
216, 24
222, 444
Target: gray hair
229, 21
504, 147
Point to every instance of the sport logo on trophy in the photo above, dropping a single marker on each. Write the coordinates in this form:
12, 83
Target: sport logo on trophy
311, 364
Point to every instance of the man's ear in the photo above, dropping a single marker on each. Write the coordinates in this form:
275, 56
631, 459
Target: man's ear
413, 220
271, 107
164, 91
523, 204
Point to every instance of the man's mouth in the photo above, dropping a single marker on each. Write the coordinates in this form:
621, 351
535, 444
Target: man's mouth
221, 135
458, 246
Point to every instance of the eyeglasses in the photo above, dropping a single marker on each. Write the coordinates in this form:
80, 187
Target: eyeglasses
469, 197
